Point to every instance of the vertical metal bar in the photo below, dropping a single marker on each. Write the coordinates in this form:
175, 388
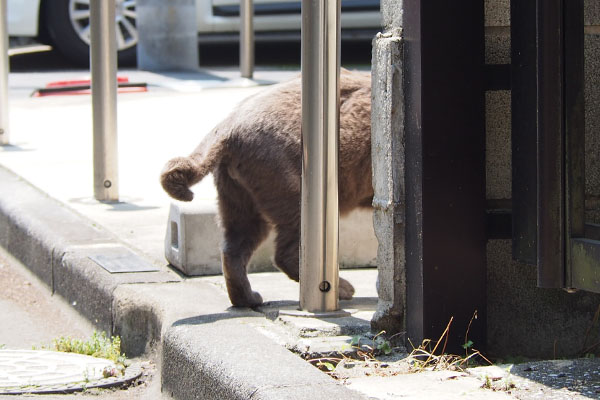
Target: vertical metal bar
574, 125
320, 130
413, 77
103, 63
550, 135
4, 66
445, 169
246, 39
524, 130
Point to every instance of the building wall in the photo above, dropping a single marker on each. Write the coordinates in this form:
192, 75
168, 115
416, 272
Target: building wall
523, 320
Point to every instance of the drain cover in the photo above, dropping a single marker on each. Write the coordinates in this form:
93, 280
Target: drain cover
39, 371
120, 260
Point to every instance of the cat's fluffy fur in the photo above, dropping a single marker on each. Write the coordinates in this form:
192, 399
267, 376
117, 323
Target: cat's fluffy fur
255, 157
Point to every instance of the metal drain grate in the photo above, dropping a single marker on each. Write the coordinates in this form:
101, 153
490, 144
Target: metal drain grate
121, 260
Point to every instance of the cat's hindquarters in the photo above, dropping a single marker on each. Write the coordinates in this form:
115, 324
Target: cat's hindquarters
180, 173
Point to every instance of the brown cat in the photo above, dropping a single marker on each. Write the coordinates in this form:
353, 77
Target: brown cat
255, 157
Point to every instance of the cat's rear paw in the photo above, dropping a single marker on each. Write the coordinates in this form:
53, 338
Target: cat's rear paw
254, 300
346, 290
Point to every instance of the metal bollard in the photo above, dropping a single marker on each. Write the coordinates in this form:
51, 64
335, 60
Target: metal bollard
4, 66
103, 63
246, 39
319, 269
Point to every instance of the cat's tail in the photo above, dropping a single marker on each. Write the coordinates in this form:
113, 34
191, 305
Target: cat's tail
180, 173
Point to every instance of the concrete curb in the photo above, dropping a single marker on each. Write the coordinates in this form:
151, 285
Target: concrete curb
237, 365
206, 351
55, 242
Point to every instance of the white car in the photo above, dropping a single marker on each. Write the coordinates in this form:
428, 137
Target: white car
65, 24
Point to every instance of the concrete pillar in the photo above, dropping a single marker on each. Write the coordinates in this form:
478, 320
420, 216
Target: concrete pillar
388, 171
168, 35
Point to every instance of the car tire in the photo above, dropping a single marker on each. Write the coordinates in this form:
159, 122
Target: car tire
63, 34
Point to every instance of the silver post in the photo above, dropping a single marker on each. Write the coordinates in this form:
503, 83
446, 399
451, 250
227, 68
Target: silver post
320, 129
3, 74
246, 39
103, 62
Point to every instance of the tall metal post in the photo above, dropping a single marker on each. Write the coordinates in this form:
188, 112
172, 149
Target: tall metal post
320, 130
3, 73
246, 39
103, 54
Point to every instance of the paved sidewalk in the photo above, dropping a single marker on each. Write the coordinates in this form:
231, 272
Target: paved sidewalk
50, 221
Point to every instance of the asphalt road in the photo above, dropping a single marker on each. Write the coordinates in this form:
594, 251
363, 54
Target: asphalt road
29, 315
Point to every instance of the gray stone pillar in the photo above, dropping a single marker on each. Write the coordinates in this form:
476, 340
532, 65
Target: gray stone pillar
387, 127
168, 35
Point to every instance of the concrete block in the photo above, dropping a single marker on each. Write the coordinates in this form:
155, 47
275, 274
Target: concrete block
193, 241
358, 244
168, 36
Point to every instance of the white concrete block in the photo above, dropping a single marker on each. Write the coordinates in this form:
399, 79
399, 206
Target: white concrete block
193, 241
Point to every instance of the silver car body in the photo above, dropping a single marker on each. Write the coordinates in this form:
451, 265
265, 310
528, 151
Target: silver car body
23, 17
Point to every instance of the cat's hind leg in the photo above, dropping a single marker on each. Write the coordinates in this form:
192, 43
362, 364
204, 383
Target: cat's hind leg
243, 230
287, 258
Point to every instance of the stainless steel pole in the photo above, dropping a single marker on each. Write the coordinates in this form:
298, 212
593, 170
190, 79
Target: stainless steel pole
319, 267
103, 62
3, 74
246, 39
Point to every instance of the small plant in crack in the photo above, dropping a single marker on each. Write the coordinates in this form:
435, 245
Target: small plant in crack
496, 384
99, 345
430, 355
359, 348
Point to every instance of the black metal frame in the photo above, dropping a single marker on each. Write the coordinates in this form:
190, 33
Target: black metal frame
445, 169
548, 144
524, 130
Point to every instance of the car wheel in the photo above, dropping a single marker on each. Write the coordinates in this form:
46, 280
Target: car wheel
68, 25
